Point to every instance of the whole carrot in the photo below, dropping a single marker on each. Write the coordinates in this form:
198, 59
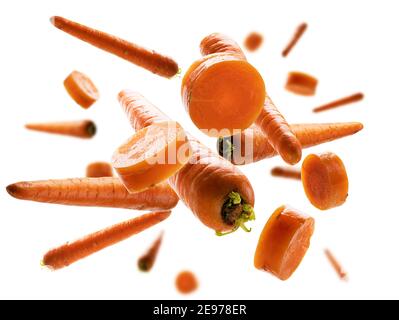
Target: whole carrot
286, 172
71, 252
340, 102
217, 192
148, 59
297, 35
252, 145
94, 192
336, 265
81, 129
146, 262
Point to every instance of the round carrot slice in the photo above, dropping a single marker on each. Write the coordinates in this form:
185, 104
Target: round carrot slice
81, 89
151, 155
301, 83
186, 282
325, 180
253, 41
283, 242
222, 93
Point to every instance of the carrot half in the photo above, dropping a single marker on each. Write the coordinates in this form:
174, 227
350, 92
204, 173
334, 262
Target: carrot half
99, 169
81, 89
340, 102
286, 172
80, 129
146, 262
252, 145
295, 38
279, 133
148, 59
94, 192
336, 265
217, 192
71, 252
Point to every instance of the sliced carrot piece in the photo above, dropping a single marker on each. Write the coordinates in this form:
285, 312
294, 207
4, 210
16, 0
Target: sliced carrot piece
81, 89
152, 155
301, 83
186, 282
325, 180
222, 93
99, 169
283, 242
253, 41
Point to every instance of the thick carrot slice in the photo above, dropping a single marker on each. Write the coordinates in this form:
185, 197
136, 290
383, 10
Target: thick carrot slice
219, 194
143, 57
286, 172
146, 262
186, 282
81, 89
99, 170
94, 192
152, 155
301, 83
253, 41
283, 242
252, 145
325, 180
80, 129
71, 252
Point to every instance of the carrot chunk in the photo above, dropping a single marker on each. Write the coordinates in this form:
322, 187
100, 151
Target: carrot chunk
301, 83
81, 89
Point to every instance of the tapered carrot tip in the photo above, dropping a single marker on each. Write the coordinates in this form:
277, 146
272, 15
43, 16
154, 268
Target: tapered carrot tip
16, 190
290, 150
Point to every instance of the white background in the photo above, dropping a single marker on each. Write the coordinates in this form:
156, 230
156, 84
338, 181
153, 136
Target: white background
350, 46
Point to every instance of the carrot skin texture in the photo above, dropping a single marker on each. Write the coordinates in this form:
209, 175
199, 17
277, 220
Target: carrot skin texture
84, 129
99, 170
94, 192
309, 135
297, 35
204, 183
148, 59
69, 253
279, 133
146, 262
340, 102
286, 172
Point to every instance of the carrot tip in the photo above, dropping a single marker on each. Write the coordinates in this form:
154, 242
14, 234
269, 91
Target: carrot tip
52, 20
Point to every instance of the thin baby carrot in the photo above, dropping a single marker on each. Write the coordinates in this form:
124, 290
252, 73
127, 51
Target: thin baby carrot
217, 192
71, 252
286, 172
340, 102
94, 192
99, 169
186, 282
253, 41
148, 59
336, 265
295, 38
146, 262
80, 129
81, 89
252, 145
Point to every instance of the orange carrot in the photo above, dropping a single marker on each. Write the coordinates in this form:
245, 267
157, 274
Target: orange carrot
71, 252
325, 180
148, 59
301, 83
253, 41
252, 145
340, 102
283, 242
94, 192
81, 89
336, 265
186, 282
297, 35
217, 192
279, 133
151, 155
81, 129
146, 262
222, 91
286, 172
99, 170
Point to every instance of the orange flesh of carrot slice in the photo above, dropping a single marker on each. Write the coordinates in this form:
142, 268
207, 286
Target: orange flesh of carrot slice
325, 180
301, 83
151, 156
223, 93
284, 242
81, 89
186, 282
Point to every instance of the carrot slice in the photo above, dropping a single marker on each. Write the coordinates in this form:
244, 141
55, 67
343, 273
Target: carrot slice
253, 41
81, 89
284, 242
98, 170
325, 180
301, 83
186, 282
152, 155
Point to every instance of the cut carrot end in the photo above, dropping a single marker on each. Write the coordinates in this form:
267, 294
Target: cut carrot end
301, 83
